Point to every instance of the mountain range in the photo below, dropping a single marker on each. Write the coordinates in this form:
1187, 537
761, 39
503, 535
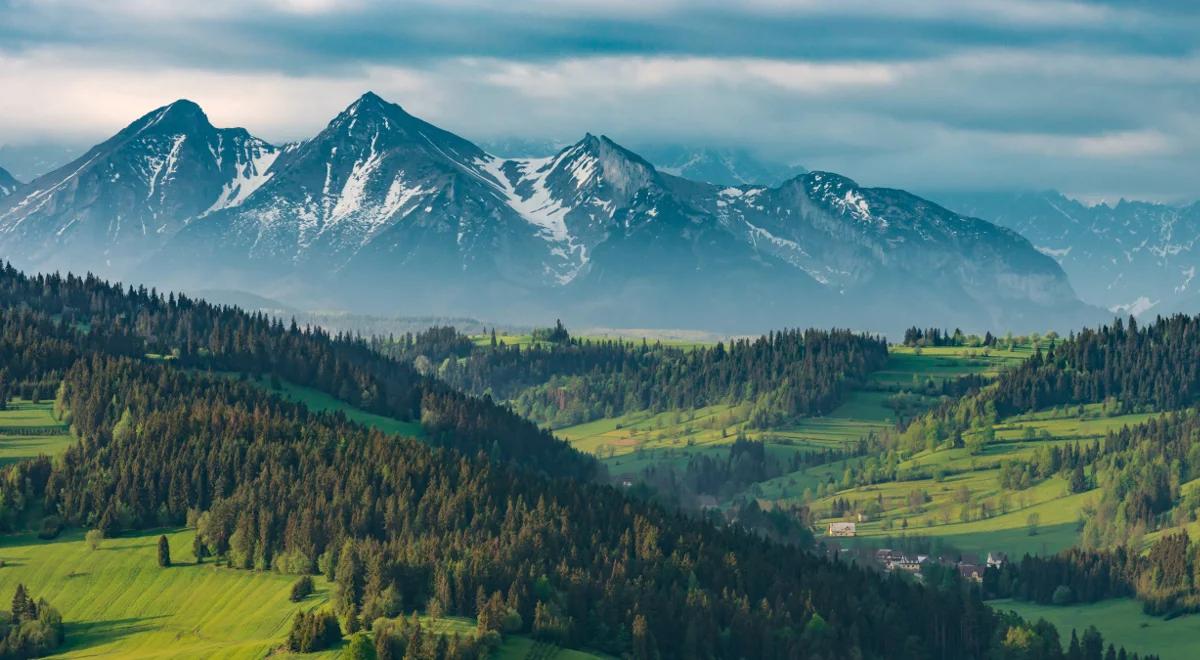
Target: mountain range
1129, 257
382, 212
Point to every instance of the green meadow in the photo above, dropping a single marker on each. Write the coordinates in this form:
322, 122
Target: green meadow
1122, 623
319, 401
117, 601
966, 506
29, 429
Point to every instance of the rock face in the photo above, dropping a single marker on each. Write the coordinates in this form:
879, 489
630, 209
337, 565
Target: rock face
8, 183
384, 212
1131, 257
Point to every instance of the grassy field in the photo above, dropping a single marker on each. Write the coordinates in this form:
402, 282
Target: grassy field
973, 483
28, 429
319, 401
525, 648
1122, 623
117, 601
909, 366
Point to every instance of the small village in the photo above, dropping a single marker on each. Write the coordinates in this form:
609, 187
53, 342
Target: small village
891, 561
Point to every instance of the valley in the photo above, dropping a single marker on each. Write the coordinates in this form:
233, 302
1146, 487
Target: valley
800, 330
780, 435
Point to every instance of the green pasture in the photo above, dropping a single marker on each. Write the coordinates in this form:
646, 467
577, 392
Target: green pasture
29, 429
1122, 623
995, 518
319, 401
117, 601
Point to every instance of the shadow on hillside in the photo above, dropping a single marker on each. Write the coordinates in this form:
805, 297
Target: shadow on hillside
91, 633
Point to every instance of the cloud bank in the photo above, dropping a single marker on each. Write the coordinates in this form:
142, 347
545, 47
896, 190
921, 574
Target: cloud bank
1094, 98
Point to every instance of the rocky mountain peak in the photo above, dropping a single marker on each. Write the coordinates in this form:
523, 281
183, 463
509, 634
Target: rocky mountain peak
182, 116
838, 193
594, 231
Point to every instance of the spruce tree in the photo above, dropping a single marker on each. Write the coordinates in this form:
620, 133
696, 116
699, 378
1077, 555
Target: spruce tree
20, 604
164, 551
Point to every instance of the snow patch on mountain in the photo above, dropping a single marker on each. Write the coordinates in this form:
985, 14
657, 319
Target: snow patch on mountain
539, 207
1136, 308
1057, 253
23, 209
1188, 275
249, 176
350, 200
400, 194
843, 195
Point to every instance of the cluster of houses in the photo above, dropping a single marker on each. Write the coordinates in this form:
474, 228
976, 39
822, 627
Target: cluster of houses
896, 560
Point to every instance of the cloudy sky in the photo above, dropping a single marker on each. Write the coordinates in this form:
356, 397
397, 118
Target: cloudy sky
1098, 99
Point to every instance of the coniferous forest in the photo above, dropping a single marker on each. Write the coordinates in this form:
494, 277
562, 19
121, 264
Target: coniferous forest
487, 516
562, 380
398, 525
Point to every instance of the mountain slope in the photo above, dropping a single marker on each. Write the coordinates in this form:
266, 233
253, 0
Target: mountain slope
125, 196
8, 183
898, 253
378, 193
1129, 257
384, 212
727, 167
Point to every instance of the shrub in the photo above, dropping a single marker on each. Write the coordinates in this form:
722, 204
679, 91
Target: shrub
301, 589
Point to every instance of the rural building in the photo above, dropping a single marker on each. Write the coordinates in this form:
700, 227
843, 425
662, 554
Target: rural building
842, 529
893, 560
996, 560
887, 557
971, 572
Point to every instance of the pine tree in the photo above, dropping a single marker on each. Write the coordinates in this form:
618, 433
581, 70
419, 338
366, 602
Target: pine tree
21, 604
164, 551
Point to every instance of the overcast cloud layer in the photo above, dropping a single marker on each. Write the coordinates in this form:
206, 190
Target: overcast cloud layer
1096, 99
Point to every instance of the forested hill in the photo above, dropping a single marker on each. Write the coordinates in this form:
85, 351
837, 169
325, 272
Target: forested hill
1155, 365
195, 334
1142, 475
783, 375
398, 525
1150, 367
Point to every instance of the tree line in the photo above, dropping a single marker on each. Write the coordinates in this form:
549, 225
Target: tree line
563, 380
81, 313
